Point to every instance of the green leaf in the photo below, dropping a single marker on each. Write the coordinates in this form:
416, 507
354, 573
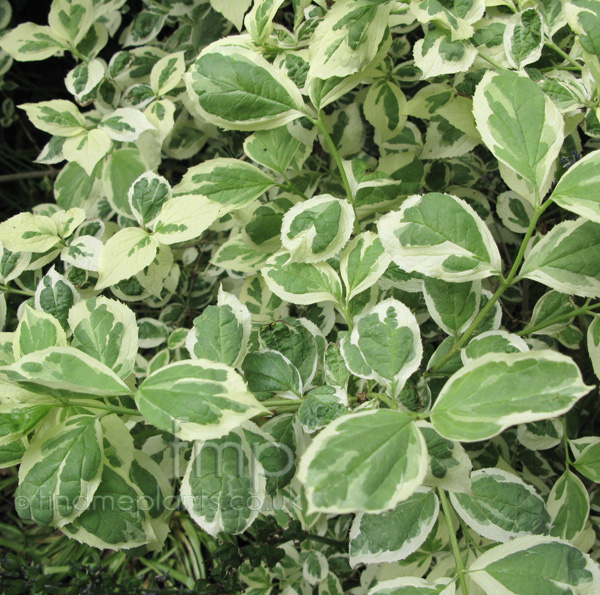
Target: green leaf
271, 371
281, 148
535, 564
395, 534
586, 452
302, 283
224, 484
231, 183
441, 236
221, 332
106, 330
521, 127
524, 38
196, 399
567, 259
449, 465
501, 506
551, 305
362, 263
64, 372
349, 467
37, 331
336, 372
12, 453
317, 229
453, 306
321, 406
236, 88
125, 254
60, 471
569, 506
19, 419
578, 190
496, 391
123, 167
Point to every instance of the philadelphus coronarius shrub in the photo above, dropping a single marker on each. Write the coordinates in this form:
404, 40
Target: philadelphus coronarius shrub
333, 263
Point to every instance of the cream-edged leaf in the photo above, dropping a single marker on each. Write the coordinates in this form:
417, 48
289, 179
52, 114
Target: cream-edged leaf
567, 259
348, 467
500, 506
521, 126
124, 255
27, 232
317, 229
87, 148
578, 190
535, 564
347, 38
302, 283
167, 73
235, 88
496, 391
30, 42
395, 534
441, 236
58, 117
362, 263
196, 399
184, 218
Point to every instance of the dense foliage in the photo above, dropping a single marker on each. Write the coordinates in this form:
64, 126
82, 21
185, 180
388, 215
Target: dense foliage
319, 275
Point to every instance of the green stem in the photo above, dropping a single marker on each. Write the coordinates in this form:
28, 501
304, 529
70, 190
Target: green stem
29, 175
8, 289
327, 540
557, 319
291, 187
566, 442
320, 124
384, 399
563, 55
345, 311
276, 403
505, 283
460, 567
493, 62
101, 406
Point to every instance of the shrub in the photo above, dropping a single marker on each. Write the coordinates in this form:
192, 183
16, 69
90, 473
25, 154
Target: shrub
325, 268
